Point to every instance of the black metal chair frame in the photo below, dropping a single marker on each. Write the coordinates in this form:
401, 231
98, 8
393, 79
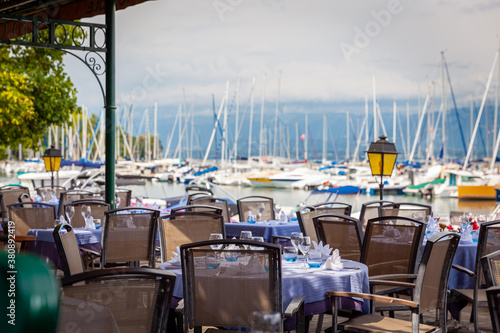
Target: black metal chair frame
152, 231
321, 232
163, 299
296, 306
254, 198
32, 205
334, 204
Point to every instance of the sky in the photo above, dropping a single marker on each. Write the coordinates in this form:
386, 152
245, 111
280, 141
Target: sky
316, 56
314, 51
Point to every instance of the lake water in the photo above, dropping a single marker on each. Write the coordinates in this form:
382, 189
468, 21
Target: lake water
294, 197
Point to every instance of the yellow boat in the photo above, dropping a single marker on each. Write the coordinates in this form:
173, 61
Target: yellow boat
484, 192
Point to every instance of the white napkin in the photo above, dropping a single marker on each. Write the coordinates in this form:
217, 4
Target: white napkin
254, 266
62, 219
325, 250
282, 217
467, 234
89, 223
177, 256
389, 231
334, 262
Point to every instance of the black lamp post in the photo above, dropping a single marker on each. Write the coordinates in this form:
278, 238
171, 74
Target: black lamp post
52, 159
382, 156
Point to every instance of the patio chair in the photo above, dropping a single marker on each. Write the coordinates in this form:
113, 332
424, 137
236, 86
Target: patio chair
10, 195
194, 196
371, 209
391, 245
97, 207
340, 232
250, 204
216, 202
69, 196
407, 209
73, 259
493, 297
429, 293
129, 235
116, 300
32, 216
224, 297
194, 224
491, 269
334, 207
125, 196
488, 242
42, 191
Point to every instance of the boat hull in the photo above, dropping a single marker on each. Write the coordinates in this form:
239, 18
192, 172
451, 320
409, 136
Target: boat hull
484, 192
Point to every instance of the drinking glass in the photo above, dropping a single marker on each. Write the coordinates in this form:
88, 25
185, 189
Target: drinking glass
42, 194
419, 216
296, 239
305, 246
277, 211
257, 239
70, 212
214, 237
97, 223
290, 253
266, 322
117, 202
314, 259
138, 201
212, 260
260, 210
246, 235
86, 211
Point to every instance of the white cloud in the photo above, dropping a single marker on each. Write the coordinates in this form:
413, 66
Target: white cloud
197, 51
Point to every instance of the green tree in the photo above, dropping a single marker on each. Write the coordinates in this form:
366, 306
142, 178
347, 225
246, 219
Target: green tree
35, 93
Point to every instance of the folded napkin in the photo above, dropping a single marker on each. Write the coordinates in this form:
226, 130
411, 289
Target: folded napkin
62, 219
334, 262
325, 250
466, 234
392, 233
254, 266
89, 223
177, 256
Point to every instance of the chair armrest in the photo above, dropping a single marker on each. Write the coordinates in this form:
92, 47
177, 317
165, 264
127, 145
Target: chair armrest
392, 283
393, 276
90, 252
294, 306
463, 270
276, 238
180, 307
373, 297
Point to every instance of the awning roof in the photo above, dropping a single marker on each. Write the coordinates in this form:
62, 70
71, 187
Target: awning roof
68, 10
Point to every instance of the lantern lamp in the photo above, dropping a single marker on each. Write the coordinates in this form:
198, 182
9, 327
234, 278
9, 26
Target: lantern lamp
52, 159
382, 156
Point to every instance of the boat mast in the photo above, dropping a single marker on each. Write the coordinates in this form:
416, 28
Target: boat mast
394, 110
417, 135
375, 119
251, 121
275, 144
443, 98
325, 129
155, 131
478, 119
408, 134
214, 130
305, 139
236, 131
261, 134
347, 134
366, 119
296, 141
224, 129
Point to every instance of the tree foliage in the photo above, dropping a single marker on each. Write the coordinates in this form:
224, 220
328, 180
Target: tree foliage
35, 93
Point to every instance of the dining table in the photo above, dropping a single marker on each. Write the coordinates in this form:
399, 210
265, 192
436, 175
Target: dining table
312, 283
266, 229
45, 246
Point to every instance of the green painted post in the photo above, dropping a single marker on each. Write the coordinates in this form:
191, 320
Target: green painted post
110, 103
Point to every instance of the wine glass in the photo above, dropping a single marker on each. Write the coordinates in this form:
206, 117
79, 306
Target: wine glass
419, 216
215, 237
277, 211
245, 235
260, 210
305, 246
117, 201
296, 239
42, 194
257, 239
70, 212
139, 202
86, 211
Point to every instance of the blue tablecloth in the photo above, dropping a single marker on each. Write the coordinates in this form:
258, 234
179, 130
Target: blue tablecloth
465, 257
312, 283
83, 236
265, 229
